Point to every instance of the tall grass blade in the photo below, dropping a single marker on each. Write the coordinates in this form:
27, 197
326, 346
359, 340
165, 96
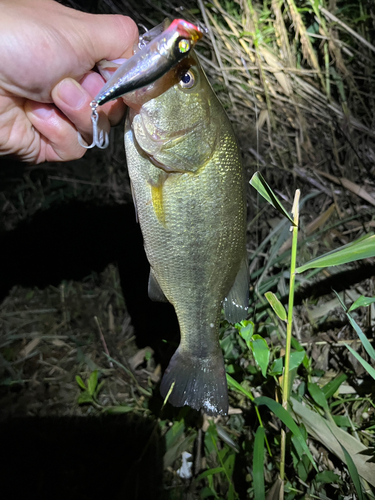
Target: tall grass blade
353, 473
258, 464
370, 370
233, 383
362, 301
365, 341
331, 387
360, 249
259, 183
210, 472
318, 395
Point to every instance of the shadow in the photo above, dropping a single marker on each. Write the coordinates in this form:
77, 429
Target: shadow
339, 282
69, 241
117, 457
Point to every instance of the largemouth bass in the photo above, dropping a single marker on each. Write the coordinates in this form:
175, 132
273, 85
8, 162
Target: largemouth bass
188, 188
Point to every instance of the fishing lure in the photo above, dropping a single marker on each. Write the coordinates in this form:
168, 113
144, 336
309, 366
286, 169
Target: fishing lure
152, 61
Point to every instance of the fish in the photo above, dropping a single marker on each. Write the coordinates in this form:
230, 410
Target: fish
188, 188
154, 59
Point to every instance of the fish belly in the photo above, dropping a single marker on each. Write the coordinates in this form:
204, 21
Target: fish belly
193, 225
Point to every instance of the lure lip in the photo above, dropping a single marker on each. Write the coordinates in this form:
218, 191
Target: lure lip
153, 61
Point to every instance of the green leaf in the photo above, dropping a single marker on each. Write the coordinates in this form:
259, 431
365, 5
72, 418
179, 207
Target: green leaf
261, 352
258, 464
174, 433
210, 472
80, 382
258, 182
365, 342
318, 395
353, 473
235, 385
287, 420
208, 492
276, 367
246, 330
327, 476
92, 382
224, 436
229, 463
341, 420
99, 386
362, 301
118, 409
231, 492
296, 359
297, 446
333, 385
276, 305
340, 300
303, 468
370, 370
85, 397
359, 249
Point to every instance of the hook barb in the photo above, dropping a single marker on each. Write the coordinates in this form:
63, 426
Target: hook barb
100, 138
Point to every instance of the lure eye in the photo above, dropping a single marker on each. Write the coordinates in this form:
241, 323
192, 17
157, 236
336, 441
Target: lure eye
188, 80
183, 46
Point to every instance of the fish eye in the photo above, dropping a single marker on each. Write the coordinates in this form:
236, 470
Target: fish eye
188, 80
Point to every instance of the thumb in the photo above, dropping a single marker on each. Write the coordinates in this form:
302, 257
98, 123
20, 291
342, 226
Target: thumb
110, 36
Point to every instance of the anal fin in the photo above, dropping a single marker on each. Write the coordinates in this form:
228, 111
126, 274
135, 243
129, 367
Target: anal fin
236, 303
154, 290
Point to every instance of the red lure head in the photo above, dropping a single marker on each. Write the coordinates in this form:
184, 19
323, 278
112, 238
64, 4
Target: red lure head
186, 29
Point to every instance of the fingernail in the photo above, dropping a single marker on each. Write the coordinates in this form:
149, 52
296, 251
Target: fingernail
71, 93
42, 111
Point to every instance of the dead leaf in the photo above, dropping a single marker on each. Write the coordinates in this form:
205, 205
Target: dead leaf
310, 228
277, 69
29, 347
138, 358
346, 183
330, 435
274, 492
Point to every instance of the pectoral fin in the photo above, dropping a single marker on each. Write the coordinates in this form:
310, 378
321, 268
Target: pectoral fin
154, 291
236, 303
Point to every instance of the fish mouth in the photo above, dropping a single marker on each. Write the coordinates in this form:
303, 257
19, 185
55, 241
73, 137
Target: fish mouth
153, 143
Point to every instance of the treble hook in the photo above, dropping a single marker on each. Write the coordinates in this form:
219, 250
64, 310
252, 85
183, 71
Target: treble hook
141, 42
100, 138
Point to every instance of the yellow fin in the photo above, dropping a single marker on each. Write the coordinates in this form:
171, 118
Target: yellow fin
157, 202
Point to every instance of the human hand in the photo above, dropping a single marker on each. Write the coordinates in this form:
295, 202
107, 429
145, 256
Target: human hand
47, 52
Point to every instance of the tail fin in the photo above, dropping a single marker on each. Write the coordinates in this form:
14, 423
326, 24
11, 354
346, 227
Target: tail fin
198, 382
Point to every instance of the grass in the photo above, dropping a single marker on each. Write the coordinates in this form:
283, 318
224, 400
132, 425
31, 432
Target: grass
296, 79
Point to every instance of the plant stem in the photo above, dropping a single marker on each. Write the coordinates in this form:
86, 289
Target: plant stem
285, 385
